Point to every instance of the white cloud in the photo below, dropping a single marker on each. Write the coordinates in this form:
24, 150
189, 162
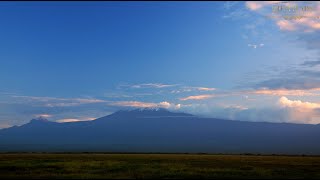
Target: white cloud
300, 111
43, 115
168, 105
255, 46
285, 102
137, 104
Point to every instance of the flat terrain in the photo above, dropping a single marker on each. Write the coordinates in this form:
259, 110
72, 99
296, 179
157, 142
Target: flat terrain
157, 166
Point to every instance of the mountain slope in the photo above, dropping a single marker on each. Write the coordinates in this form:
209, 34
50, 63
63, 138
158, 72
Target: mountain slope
162, 131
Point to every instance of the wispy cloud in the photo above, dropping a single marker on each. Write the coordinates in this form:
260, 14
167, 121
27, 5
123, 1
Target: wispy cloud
184, 89
300, 76
149, 85
198, 97
309, 40
234, 11
284, 92
256, 5
255, 46
139, 104
74, 120
43, 115
229, 4
2, 126
59, 102
240, 107
117, 95
168, 105
206, 89
311, 63
305, 83
254, 29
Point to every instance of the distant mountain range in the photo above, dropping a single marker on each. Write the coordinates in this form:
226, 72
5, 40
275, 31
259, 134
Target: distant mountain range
159, 130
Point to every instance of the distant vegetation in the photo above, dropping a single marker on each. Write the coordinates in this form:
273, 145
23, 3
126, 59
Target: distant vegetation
157, 166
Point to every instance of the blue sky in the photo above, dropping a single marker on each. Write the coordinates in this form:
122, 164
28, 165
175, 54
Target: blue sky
81, 60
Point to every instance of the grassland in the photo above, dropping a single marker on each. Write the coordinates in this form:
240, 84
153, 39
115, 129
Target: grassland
157, 166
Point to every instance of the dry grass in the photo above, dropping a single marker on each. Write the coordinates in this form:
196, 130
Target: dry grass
157, 166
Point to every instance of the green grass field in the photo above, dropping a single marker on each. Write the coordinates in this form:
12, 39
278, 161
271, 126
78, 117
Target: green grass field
157, 166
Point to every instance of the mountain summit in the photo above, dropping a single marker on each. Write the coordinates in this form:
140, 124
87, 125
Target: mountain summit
159, 130
39, 120
150, 112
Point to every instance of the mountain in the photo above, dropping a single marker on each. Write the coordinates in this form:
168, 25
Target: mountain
159, 130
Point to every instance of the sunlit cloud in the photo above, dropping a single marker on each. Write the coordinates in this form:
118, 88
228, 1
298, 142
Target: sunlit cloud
206, 89
2, 126
284, 92
237, 108
139, 104
74, 120
256, 5
285, 102
60, 102
302, 20
308, 23
301, 111
286, 25
198, 97
282, 110
168, 105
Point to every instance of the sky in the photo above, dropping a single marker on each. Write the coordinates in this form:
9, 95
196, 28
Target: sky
76, 61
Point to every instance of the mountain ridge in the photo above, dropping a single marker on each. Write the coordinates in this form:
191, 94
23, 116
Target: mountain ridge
139, 131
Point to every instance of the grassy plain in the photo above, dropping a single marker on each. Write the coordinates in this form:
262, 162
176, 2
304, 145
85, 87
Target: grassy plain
165, 166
